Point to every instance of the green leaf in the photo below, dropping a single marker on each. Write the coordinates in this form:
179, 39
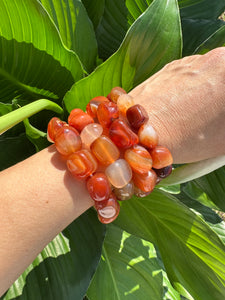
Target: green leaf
14, 149
95, 10
194, 170
193, 255
35, 60
14, 117
75, 28
215, 40
213, 185
129, 269
159, 29
65, 267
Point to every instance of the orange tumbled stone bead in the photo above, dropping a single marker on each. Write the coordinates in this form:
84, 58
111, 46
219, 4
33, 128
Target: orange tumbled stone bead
105, 150
82, 164
53, 126
79, 119
139, 159
161, 157
107, 210
148, 136
107, 112
119, 173
115, 93
90, 133
93, 104
67, 140
124, 102
122, 135
137, 116
145, 182
99, 187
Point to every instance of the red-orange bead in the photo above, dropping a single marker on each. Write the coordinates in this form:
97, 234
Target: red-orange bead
107, 112
146, 182
148, 136
122, 135
53, 126
99, 187
93, 104
137, 116
116, 92
139, 159
79, 119
107, 210
67, 140
161, 157
105, 150
82, 164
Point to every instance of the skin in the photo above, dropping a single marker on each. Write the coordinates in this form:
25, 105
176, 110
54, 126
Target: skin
185, 103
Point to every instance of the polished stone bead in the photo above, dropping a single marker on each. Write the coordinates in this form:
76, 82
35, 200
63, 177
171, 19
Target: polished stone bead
145, 182
107, 210
161, 157
164, 172
67, 140
124, 102
107, 112
105, 150
148, 136
139, 193
93, 104
90, 133
115, 93
53, 126
79, 119
119, 173
99, 187
137, 116
82, 164
124, 193
122, 135
139, 159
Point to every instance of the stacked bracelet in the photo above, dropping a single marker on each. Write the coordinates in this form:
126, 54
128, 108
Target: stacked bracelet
114, 148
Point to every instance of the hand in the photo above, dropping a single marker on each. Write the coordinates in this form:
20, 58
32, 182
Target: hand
186, 105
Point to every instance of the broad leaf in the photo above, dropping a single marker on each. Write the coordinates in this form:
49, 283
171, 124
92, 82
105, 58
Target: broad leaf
215, 40
95, 10
159, 29
35, 61
75, 28
193, 255
65, 267
129, 269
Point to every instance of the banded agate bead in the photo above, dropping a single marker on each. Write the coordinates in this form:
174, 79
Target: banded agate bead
139, 159
90, 133
122, 135
67, 140
115, 93
107, 210
139, 193
82, 164
164, 172
137, 116
124, 193
79, 119
145, 182
107, 112
148, 136
93, 104
161, 157
119, 173
53, 126
99, 187
124, 102
105, 150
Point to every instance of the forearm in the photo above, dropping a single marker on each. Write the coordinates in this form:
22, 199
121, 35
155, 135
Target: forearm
39, 198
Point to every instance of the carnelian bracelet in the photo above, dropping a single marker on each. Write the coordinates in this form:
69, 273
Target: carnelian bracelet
114, 148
